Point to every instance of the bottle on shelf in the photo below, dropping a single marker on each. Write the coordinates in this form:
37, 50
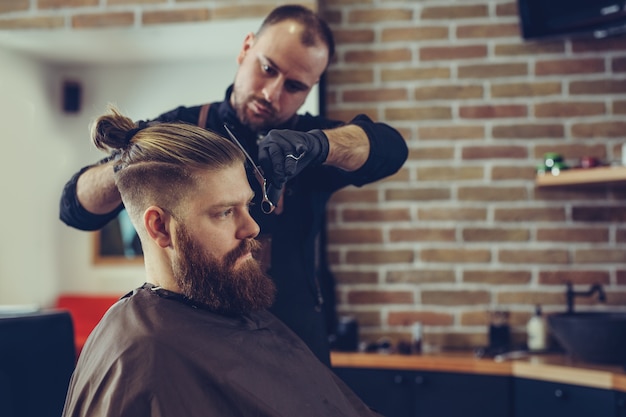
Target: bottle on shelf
536, 331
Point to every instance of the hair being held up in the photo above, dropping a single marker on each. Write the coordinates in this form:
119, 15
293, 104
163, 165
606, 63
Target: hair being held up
112, 131
157, 161
175, 143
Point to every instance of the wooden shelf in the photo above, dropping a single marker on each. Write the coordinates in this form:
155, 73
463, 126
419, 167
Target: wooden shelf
600, 175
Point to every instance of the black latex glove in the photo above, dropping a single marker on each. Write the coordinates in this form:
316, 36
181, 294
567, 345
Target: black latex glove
283, 154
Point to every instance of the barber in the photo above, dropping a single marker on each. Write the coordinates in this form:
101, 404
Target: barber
305, 159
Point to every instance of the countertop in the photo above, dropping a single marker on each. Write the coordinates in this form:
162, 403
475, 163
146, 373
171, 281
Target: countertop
546, 367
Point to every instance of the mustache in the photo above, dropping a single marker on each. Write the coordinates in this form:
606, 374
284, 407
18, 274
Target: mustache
266, 105
247, 245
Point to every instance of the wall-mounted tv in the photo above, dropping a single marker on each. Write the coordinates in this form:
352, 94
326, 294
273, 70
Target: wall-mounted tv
552, 18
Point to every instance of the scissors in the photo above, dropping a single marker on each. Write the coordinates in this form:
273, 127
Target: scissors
266, 204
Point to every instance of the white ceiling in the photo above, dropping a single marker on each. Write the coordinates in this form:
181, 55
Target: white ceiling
164, 43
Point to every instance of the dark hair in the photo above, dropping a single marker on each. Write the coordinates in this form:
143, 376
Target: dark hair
316, 28
157, 162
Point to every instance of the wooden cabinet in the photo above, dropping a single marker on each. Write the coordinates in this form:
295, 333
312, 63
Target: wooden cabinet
534, 398
403, 393
620, 398
451, 384
461, 395
397, 393
389, 392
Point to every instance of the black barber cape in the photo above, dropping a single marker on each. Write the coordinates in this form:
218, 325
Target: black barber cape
154, 354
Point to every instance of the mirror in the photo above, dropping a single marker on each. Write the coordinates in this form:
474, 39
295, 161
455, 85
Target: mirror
117, 243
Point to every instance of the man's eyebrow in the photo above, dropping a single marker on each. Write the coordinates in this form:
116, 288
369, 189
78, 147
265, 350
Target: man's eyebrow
232, 203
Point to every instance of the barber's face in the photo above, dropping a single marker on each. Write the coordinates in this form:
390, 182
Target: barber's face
214, 244
276, 73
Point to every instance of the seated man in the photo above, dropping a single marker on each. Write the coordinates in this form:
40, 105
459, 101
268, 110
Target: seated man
196, 339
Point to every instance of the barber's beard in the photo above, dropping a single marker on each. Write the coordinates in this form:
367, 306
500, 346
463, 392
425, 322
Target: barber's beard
217, 284
256, 123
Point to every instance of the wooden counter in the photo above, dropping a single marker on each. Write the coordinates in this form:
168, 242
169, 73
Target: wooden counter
553, 368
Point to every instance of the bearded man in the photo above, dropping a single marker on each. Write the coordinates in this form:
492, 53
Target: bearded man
196, 338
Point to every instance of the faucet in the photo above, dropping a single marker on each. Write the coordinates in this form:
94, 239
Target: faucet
571, 294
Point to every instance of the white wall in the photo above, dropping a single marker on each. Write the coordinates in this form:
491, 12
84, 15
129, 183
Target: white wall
30, 177
40, 257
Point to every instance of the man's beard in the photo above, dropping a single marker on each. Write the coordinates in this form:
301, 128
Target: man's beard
217, 285
254, 123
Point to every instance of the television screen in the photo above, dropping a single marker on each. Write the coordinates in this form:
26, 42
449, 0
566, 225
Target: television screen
549, 18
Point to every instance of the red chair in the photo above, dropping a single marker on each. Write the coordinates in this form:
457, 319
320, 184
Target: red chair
86, 311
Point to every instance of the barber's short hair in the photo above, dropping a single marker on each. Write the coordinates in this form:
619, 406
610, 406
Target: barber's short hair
316, 28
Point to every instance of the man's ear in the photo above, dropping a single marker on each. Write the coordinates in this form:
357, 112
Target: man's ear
157, 223
247, 44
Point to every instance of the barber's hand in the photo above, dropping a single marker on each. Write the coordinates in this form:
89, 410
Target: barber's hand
283, 154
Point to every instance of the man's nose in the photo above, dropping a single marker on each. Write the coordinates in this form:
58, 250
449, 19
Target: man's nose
248, 228
272, 90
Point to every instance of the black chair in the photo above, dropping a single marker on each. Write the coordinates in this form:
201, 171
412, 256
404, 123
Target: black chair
37, 358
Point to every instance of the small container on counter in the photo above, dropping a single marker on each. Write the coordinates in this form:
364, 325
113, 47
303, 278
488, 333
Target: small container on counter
347, 336
416, 338
537, 331
499, 331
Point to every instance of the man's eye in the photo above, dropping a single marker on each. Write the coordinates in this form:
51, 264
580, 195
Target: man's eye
294, 87
268, 69
226, 213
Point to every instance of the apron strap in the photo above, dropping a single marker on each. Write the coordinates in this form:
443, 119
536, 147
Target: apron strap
204, 113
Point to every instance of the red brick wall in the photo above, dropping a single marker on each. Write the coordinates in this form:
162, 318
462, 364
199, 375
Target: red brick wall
461, 228
81, 14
